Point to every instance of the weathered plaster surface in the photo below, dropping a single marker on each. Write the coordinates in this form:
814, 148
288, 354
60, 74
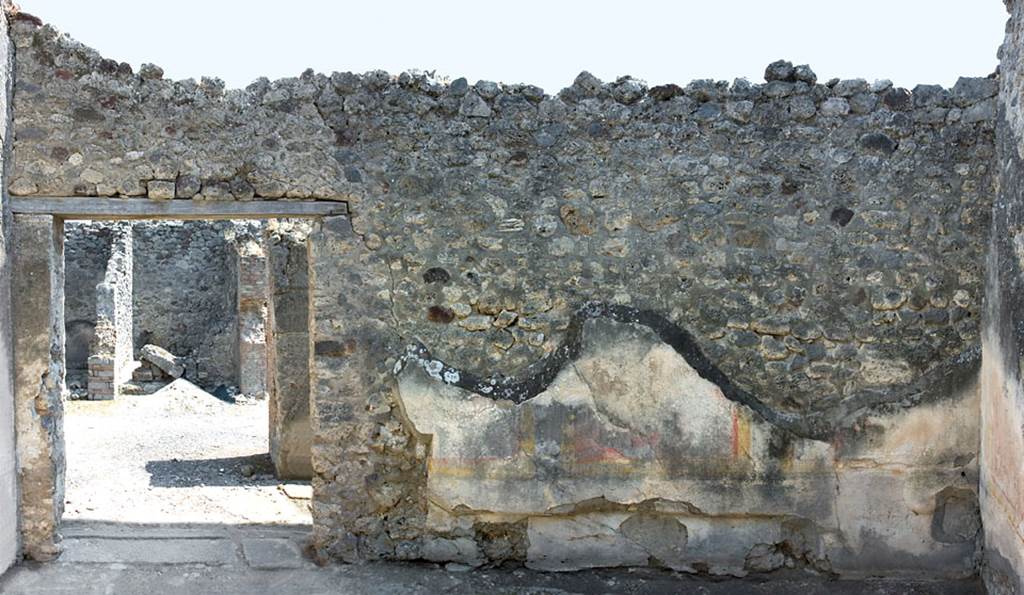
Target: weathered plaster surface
8, 462
811, 254
38, 323
628, 429
1002, 405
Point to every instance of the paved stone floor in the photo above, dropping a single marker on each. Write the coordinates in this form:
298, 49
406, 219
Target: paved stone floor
115, 558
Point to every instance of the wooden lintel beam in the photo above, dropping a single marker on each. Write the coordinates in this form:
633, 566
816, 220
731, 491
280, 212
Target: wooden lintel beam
84, 207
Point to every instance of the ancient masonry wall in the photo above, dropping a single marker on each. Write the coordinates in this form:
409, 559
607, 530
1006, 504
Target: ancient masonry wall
727, 328
1002, 402
8, 464
723, 328
111, 357
185, 296
86, 252
184, 293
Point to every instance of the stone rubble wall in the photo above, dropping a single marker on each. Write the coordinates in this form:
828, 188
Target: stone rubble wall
1002, 404
817, 246
805, 256
112, 358
86, 252
183, 286
707, 203
185, 296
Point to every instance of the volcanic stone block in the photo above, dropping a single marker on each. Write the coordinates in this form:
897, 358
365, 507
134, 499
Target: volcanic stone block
38, 315
163, 359
253, 310
291, 435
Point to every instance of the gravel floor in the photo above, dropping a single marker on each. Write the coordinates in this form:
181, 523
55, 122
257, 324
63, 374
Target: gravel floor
179, 455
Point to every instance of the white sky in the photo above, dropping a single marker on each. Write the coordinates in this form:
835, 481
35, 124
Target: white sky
543, 42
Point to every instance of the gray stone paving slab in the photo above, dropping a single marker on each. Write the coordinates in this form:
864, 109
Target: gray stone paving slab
182, 531
93, 579
271, 554
135, 559
206, 551
120, 531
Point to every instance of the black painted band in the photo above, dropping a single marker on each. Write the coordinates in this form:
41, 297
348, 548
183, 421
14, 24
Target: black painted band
951, 374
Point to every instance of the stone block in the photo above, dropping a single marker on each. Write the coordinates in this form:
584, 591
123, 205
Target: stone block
291, 432
208, 552
582, 542
291, 311
166, 361
291, 448
273, 553
462, 550
722, 546
160, 189
143, 374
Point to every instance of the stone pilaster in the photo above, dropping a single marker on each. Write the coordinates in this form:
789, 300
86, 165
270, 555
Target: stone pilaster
111, 360
290, 431
1002, 392
369, 488
253, 311
38, 315
8, 473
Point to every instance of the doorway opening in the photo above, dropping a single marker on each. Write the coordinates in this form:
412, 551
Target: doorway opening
187, 399
271, 355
